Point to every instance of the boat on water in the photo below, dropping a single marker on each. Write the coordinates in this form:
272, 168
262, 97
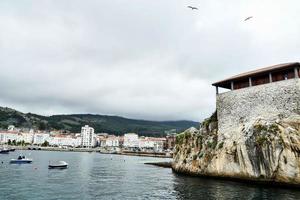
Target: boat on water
58, 165
4, 151
21, 160
12, 149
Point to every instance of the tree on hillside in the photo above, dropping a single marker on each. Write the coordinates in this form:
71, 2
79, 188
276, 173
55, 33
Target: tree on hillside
42, 126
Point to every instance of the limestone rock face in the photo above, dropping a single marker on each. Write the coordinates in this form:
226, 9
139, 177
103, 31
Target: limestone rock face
263, 150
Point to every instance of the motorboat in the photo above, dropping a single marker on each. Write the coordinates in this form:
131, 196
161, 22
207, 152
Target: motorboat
4, 151
21, 160
58, 165
12, 149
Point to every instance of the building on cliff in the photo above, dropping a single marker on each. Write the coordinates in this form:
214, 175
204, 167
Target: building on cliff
270, 91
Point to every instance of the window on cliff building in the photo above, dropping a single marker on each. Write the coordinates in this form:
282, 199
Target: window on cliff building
259, 80
283, 75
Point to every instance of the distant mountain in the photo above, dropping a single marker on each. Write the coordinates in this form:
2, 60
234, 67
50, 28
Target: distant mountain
102, 123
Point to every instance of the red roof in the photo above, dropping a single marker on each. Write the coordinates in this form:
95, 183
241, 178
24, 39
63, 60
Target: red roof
259, 71
10, 132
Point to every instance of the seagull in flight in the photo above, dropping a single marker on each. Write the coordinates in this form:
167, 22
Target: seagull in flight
193, 8
248, 18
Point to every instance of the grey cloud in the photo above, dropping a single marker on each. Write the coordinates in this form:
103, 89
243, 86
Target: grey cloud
140, 59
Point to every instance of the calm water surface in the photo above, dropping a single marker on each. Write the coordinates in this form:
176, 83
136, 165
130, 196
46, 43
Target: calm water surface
99, 176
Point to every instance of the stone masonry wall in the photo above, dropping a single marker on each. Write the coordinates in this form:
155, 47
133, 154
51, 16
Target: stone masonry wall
273, 100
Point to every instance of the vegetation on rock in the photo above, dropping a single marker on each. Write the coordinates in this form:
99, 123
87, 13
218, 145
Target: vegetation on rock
267, 150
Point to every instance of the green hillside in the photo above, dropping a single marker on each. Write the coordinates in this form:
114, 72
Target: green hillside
101, 123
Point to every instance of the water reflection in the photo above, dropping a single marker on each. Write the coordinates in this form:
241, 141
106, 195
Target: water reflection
98, 176
207, 188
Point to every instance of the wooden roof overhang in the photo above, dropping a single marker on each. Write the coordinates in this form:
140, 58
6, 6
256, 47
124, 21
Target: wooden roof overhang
226, 83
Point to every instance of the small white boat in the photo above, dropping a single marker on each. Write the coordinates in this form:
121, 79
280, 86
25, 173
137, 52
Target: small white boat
21, 160
58, 165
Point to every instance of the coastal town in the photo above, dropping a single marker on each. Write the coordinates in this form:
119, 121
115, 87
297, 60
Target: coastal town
88, 140
150, 100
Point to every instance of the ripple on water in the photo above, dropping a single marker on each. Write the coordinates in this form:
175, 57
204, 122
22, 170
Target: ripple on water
98, 176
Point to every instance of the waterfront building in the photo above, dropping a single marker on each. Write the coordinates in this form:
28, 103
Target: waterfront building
145, 144
28, 137
40, 138
131, 140
152, 144
108, 140
87, 137
269, 92
159, 144
6, 136
170, 141
101, 139
112, 141
65, 140
121, 141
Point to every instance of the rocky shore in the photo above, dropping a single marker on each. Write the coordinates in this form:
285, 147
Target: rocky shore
263, 150
160, 164
145, 154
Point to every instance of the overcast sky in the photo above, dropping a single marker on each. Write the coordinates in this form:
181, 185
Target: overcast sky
149, 59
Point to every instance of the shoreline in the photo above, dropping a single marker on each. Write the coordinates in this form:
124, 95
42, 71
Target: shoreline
248, 181
160, 164
96, 150
145, 154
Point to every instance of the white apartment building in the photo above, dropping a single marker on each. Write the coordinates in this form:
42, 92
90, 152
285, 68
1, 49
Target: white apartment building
112, 141
88, 137
65, 140
151, 143
146, 143
159, 144
5, 136
28, 137
131, 140
40, 138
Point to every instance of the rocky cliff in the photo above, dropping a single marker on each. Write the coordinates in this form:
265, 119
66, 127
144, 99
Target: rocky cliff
261, 150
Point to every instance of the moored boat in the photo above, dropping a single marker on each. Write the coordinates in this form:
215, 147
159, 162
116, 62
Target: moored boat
4, 151
58, 165
21, 160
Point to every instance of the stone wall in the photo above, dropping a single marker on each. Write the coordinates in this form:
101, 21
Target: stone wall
273, 100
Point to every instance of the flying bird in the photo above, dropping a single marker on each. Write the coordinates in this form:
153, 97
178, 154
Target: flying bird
193, 8
248, 18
